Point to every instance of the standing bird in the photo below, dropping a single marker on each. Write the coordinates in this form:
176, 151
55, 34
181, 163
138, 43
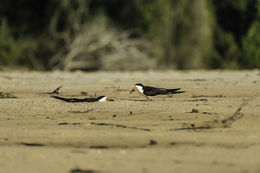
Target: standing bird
152, 91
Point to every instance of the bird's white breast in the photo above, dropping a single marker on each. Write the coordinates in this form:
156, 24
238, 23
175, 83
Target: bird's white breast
103, 99
140, 89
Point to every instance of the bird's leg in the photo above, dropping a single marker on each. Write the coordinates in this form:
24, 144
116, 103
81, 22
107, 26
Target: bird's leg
148, 99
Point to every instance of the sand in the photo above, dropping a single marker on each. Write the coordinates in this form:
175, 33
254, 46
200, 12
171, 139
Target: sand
41, 134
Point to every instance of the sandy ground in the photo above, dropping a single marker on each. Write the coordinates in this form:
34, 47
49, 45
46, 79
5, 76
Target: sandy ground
41, 134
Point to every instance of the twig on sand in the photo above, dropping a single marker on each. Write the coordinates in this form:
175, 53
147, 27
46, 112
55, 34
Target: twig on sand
56, 91
224, 123
119, 126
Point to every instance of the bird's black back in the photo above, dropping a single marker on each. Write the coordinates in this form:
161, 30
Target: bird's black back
152, 91
76, 99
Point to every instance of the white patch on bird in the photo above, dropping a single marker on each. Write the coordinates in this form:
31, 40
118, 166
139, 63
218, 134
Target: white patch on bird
140, 89
104, 99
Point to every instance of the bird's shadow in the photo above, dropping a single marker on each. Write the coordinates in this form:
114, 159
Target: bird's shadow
137, 100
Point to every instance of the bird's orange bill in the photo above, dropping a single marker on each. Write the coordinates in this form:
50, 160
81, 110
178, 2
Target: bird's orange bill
133, 90
109, 99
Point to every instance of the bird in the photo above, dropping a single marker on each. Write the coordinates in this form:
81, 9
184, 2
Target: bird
148, 91
98, 99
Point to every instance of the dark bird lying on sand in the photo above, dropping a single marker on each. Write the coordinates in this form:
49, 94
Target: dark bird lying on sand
152, 91
98, 99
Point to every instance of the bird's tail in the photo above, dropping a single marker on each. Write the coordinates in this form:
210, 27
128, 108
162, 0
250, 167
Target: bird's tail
172, 91
176, 92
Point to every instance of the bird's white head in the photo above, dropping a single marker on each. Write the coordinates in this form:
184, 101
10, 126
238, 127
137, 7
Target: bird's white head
139, 88
104, 99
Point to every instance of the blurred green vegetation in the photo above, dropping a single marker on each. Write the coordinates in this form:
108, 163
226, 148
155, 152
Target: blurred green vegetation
185, 34
6, 95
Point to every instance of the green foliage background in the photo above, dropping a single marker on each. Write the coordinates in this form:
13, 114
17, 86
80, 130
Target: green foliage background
186, 34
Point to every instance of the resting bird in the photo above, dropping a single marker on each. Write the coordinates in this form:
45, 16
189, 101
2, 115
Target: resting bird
152, 91
98, 99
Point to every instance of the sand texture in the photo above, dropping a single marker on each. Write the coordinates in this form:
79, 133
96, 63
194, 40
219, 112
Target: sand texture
213, 127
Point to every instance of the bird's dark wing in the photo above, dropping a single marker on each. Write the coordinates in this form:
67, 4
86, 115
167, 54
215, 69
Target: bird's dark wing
151, 91
75, 99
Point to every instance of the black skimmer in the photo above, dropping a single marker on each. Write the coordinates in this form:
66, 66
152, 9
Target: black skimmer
152, 91
98, 99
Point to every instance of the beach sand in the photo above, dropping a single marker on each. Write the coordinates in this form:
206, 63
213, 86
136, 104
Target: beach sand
41, 134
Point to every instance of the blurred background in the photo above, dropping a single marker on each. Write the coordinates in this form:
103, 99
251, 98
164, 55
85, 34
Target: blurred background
129, 34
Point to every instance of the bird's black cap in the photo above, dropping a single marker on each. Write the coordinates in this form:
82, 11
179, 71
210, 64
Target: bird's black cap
139, 84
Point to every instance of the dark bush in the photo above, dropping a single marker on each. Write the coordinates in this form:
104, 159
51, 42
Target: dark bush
184, 34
